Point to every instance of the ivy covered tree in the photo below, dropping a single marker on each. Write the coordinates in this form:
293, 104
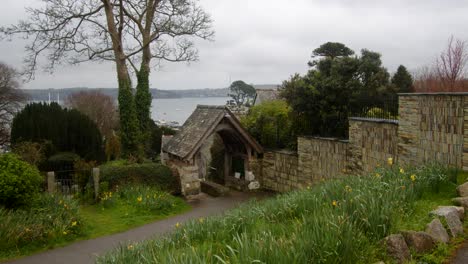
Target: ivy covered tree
67, 130
336, 85
402, 80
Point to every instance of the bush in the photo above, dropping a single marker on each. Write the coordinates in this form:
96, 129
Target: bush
270, 124
121, 173
19, 181
49, 218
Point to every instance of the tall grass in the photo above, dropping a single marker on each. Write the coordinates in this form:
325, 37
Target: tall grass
49, 218
339, 221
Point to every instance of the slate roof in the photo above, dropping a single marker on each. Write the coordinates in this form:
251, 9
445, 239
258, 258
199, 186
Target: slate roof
265, 95
198, 127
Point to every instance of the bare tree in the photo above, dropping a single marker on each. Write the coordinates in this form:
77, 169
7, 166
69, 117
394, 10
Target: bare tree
11, 99
426, 79
97, 106
451, 65
127, 32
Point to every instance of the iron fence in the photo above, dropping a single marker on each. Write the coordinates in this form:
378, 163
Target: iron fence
71, 182
375, 108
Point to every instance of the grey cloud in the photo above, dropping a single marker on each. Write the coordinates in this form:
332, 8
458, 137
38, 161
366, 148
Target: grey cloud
266, 41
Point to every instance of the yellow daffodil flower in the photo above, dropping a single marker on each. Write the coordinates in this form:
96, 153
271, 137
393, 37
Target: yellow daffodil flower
390, 161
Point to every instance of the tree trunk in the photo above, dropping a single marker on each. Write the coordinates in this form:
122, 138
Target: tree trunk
129, 130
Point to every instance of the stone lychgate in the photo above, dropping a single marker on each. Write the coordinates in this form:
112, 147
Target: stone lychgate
182, 152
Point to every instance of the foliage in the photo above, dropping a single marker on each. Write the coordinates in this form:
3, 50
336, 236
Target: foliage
129, 133
242, 93
120, 173
67, 130
83, 172
11, 99
19, 181
402, 80
332, 50
143, 99
333, 222
98, 107
333, 89
270, 123
62, 161
31, 152
113, 147
49, 218
153, 149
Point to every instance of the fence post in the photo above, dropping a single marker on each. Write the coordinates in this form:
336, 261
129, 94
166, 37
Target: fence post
51, 182
96, 173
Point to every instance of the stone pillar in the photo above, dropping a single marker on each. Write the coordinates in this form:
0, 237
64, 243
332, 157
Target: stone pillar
409, 130
465, 133
96, 173
51, 182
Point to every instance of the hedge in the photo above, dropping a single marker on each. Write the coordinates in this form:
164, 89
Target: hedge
151, 174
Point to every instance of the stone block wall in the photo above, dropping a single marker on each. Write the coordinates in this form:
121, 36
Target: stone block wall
280, 171
187, 174
371, 143
432, 128
321, 158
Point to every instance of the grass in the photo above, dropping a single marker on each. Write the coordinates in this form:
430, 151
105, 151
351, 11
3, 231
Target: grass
102, 221
115, 213
333, 222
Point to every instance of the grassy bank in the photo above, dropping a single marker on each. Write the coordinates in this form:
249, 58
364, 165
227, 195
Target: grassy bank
334, 222
56, 221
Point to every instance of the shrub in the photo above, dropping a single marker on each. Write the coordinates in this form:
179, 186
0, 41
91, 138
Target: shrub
270, 124
19, 181
150, 174
48, 218
31, 152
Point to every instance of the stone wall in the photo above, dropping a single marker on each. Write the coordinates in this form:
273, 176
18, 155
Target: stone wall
187, 175
321, 158
432, 128
371, 143
279, 171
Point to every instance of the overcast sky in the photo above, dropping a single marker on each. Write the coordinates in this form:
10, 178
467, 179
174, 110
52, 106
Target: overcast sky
266, 41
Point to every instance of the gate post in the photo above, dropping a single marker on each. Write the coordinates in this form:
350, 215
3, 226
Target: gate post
96, 173
51, 182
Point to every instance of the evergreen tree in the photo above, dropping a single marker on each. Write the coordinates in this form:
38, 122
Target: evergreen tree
67, 130
402, 80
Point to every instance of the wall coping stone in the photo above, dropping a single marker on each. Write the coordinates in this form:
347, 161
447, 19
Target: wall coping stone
282, 151
325, 138
375, 120
438, 93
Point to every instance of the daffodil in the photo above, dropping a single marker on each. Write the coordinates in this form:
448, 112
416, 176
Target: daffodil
348, 188
377, 175
402, 170
139, 199
335, 203
65, 232
201, 220
177, 225
413, 177
390, 161
130, 247
74, 223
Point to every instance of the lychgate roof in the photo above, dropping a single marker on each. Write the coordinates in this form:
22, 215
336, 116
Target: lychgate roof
199, 126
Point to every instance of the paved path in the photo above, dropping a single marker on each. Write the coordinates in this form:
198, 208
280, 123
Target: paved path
86, 251
462, 255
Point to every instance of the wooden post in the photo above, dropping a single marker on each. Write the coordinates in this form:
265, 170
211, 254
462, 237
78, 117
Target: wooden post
51, 182
96, 173
227, 165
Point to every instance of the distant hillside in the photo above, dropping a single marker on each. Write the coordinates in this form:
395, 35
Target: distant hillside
43, 94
